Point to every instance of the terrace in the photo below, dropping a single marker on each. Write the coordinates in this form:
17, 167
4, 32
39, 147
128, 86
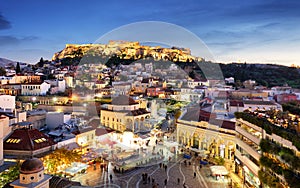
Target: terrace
268, 122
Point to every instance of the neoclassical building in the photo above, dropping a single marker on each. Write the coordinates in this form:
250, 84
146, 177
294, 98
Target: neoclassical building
199, 129
124, 113
216, 138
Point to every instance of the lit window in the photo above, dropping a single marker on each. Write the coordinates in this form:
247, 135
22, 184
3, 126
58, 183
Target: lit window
40, 140
13, 140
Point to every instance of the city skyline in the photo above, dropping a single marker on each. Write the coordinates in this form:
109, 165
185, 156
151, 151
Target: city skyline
254, 32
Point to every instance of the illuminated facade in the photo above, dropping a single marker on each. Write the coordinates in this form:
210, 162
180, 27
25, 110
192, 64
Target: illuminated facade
124, 114
216, 138
247, 152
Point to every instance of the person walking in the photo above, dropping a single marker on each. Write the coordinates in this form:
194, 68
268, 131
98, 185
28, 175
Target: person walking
178, 181
110, 177
166, 182
194, 174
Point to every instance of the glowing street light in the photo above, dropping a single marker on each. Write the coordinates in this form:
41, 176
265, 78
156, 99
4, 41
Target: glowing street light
33, 99
74, 97
54, 99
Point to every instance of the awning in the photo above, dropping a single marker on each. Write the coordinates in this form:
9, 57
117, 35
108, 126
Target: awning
218, 170
71, 146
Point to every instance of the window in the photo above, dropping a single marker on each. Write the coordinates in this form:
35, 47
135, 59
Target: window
13, 140
40, 140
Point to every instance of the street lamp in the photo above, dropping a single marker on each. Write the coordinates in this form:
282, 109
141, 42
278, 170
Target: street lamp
54, 99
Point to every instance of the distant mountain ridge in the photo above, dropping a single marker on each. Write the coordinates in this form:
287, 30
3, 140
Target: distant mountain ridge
6, 62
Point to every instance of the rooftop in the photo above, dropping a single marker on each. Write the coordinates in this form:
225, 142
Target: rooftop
27, 139
123, 100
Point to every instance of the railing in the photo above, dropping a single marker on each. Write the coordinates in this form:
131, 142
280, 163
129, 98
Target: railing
247, 162
247, 134
252, 151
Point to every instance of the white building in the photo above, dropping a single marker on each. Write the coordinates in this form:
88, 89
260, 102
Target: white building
69, 81
280, 90
57, 85
7, 102
229, 80
35, 88
4, 125
122, 88
193, 83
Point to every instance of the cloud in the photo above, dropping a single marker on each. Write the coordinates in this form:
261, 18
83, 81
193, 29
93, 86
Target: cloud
12, 40
4, 24
269, 9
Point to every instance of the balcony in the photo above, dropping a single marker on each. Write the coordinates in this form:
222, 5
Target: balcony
247, 134
253, 152
247, 162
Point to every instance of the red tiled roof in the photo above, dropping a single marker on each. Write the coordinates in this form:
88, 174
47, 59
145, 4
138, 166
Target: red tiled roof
236, 103
123, 100
102, 131
138, 112
28, 140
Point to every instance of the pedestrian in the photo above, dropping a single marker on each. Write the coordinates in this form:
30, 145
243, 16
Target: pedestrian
190, 163
160, 165
166, 182
185, 162
153, 180
178, 181
166, 167
184, 186
194, 174
148, 179
110, 177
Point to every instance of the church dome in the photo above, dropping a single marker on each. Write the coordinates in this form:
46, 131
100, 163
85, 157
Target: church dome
31, 166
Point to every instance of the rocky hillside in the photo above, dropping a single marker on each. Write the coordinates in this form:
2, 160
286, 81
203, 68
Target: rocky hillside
124, 50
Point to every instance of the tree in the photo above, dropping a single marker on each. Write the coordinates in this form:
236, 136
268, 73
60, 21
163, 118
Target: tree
18, 68
177, 115
59, 158
41, 62
2, 71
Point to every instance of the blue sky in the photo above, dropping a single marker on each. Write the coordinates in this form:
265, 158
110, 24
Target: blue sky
234, 30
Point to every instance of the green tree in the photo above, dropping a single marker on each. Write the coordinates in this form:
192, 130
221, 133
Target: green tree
60, 157
2, 71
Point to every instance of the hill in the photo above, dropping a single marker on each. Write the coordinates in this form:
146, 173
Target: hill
264, 74
6, 62
123, 52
